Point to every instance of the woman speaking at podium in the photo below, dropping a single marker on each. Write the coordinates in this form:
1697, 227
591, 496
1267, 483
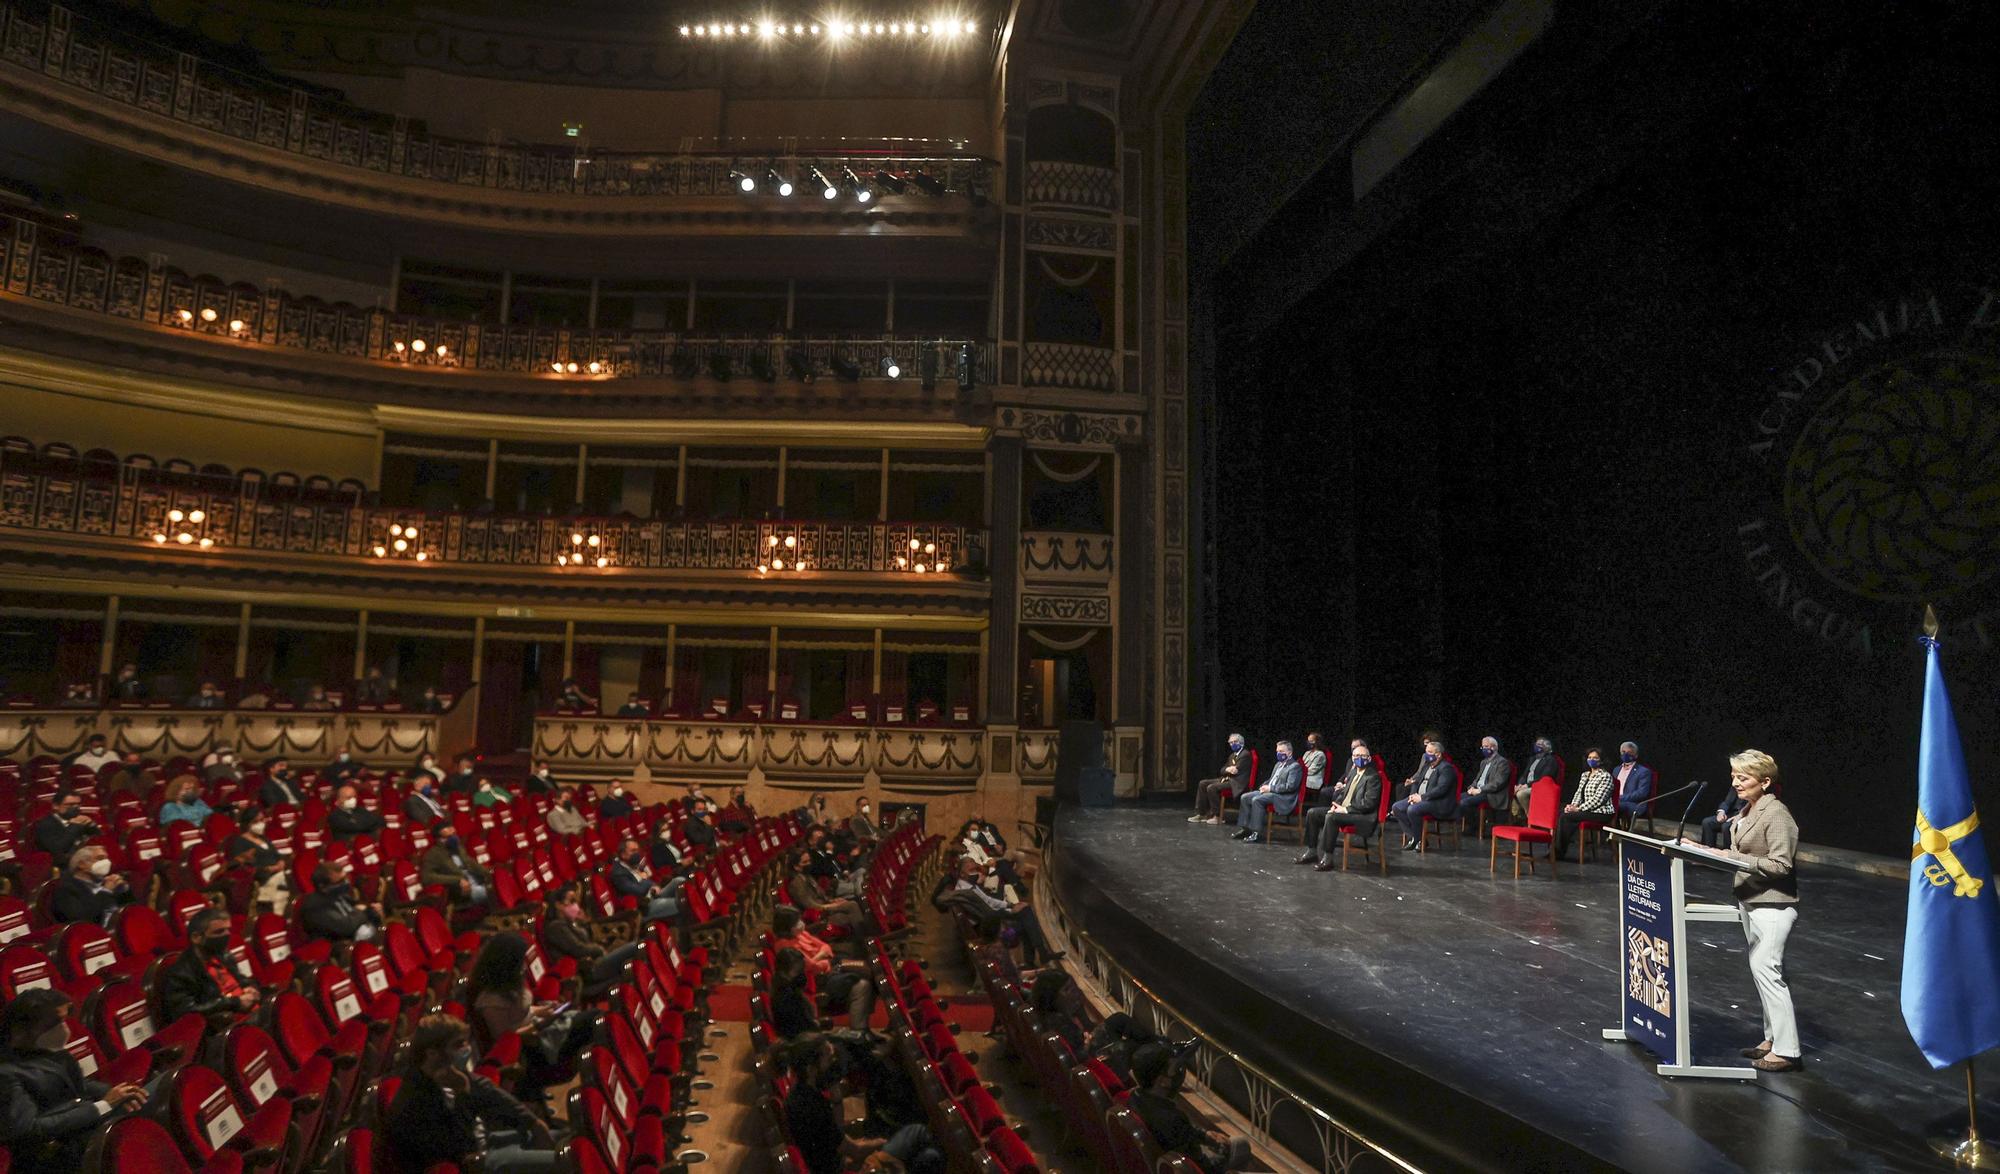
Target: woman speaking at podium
1764, 840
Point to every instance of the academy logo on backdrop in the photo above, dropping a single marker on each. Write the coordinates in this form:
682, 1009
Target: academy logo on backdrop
1875, 462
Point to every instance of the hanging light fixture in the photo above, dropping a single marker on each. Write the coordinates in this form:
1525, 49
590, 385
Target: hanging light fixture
781, 554
185, 527
922, 558
402, 540
587, 548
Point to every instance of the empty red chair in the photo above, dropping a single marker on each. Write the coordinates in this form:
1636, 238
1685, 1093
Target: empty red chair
25, 968
341, 1003
141, 932
86, 955
1543, 797
1011, 1152
258, 1072
118, 1014
204, 1117
131, 1068
303, 1036
141, 1145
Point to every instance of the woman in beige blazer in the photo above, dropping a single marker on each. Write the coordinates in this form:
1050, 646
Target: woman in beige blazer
1765, 842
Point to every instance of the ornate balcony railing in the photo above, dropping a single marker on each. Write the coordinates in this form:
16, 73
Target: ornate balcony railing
378, 738
54, 42
246, 512
1069, 365
1071, 185
779, 751
1056, 556
35, 265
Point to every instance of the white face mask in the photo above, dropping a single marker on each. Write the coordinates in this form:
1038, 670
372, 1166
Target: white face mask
617, 791
349, 804
101, 869
54, 1039
257, 829
486, 787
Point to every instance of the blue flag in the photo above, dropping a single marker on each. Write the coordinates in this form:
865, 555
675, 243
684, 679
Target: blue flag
1951, 944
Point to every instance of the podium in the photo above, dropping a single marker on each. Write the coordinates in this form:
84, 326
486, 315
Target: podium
1654, 998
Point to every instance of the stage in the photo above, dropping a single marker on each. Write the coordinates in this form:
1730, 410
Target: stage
1454, 1017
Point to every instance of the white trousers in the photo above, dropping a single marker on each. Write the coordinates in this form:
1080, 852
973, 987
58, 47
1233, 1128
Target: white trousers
1766, 927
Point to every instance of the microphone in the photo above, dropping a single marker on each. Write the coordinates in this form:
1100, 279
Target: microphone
1698, 787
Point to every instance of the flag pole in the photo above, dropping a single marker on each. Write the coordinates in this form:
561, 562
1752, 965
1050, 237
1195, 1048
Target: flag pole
1969, 1152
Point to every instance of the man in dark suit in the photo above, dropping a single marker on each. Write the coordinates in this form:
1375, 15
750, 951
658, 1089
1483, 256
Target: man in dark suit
1434, 792
344, 768
1279, 795
222, 768
128, 686
423, 806
542, 781
616, 804
1636, 782
1357, 806
634, 707
208, 697
204, 980
1158, 1072
448, 864
89, 891
330, 910
60, 831
1331, 793
630, 875
465, 779
1715, 831
1542, 764
445, 1116
1235, 776
696, 830
279, 785
49, 1111
348, 818
1489, 785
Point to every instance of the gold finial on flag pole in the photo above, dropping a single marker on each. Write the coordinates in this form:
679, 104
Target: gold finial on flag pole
1930, 621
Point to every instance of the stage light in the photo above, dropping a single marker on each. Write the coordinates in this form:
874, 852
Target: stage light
929, 184
401, 545
890, 183
398, 346
862, 192
443, 350
184, 315
595, 366
421, 556
593, 541
776, 182
845, 369
968, 367
970, 28
699, 31
418, 345
826, 189
208, 314
175, 515
800, 365
557, 367
685, 30
236, 326
744, 183
891, 367
184, 538
380, 550
197, 517
767, 30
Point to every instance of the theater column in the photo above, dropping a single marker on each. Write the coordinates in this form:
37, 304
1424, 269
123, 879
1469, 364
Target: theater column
1003, 556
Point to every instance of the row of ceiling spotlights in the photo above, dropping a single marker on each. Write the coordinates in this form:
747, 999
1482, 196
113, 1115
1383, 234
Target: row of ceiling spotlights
944, 26
863, 190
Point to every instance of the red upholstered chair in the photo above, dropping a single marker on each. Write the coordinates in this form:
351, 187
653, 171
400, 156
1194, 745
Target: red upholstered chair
141, 1145
1348, 834
1445, 827
1239, 786
204, 1117
1132, 1145
1513, 777
1544, 800
1011, 1152
258, 1073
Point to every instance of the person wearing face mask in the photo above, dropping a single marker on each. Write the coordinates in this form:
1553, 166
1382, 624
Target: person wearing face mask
738, 817
445, 1115
1542, 764
90, 891
425, 806
634, 707
131, 778
565, 819
64, 828
373, 688
348, 818
95, 755
813, 1119
208, 697
464, 776
1635, 781
862, 823
430, 702
1160, 1074
815, 809
632, 876
187, 805
1234, 777
344, 768
1319, 805
426, 766
1313, 762
1356, 804
447, 864
491, 794
223, 768
805, 895
1434, 792
250, 848
49, 1110
542, 781
665, 855
1488, 790
695, 829
566, 933
330, 911
1279, 794
616, 804
1592, 802
204, 980
281, 787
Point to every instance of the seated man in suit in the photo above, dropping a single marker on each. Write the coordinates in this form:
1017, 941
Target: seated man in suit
60, 831
1488, 788
541, 781
207, 697
49, 1110
424, 806
695, 829
89, 891
634, 706
1636, 782
1542, 764
348, 818
616, 804
1357, 805
1235, 776
1280, 794
1434, 793
1159, 1074
204, 980
281, 786
128, 686
448, 864
330, 910
1715, 831
633, 876
464, 776
1319, 804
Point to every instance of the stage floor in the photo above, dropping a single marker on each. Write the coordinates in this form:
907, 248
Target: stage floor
1492, 993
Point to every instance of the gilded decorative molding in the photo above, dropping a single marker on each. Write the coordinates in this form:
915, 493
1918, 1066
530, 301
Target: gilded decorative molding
1040, 426
777, 751
1071, 235
256, 733
1062, 556
1048, 607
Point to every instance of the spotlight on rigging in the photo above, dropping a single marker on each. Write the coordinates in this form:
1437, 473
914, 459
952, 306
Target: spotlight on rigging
862, 192
895, 185
846, 369
776, 182
891, 368
927, 183
744, 181
968, 367
826, 189
800, 365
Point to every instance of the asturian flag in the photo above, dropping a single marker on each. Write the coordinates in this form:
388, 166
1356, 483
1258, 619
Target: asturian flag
1951, 944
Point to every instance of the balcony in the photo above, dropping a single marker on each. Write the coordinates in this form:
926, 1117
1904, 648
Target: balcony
1054, 556
166, 732
805, 752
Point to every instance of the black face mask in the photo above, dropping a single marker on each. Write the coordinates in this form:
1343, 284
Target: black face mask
215, 947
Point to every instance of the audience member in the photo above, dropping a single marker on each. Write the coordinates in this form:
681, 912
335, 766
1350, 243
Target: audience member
204, 980
430, 702
1434, 792
1060, 1007
445, 1116
187, 805
330, 910
992, 912
663, 853
50, 1111
1542, 764
633, 876
94, 756
317, 700
500, 1002
446, 864
541, 780
130, 778
565, 819
221, 766
1715, 830
1592, 801
344, 768
464, 776
841, 984
207, 697
490, 794
80, 695
427, 764
566, 932
1234, 777
739, 816
805, 894
127, 686
691, 794
373, 688
89, 891
1279, 794
1357, 805
1489, 787
571, 698
634, 706
1313, 762
348, 818
815, 808
1160, 1074
862, 824
696, 830
793, 1011
250, 848
1635, 781
616, 804
424, 806
281, 787
64, 828
813, 1119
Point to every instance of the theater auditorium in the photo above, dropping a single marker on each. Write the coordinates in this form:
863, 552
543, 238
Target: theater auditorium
997, 586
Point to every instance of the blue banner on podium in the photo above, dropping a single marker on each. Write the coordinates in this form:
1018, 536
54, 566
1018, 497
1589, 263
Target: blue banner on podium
1646, 943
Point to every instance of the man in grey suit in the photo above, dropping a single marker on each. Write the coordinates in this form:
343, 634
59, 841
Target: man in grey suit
1235, 776
1434, 793
1280, 793
1356, 805
1489, 785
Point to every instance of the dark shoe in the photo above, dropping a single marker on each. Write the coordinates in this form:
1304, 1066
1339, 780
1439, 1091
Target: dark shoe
1307, 858
1756, 1053
1409, 845
1185, 1046
1325, 866
1241, 834
1777, 1063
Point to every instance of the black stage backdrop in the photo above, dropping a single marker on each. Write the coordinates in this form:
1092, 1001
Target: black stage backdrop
1651, 399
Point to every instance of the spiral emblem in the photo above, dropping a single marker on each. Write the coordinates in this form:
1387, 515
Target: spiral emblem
1893, 489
